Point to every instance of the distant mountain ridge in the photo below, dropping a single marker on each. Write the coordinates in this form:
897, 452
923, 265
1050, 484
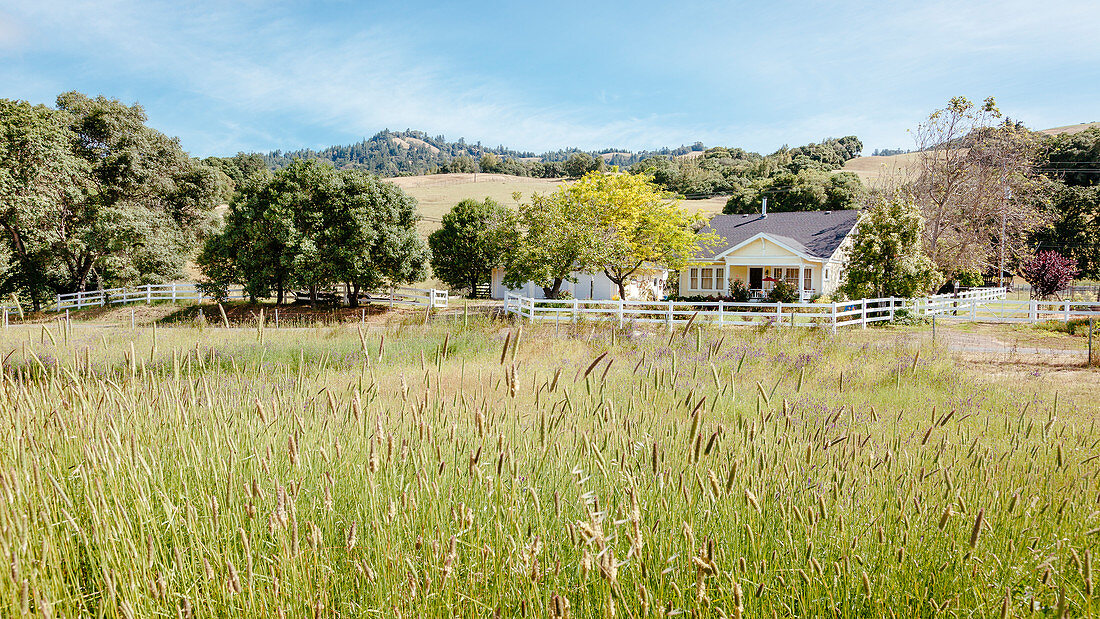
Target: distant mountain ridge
410, 152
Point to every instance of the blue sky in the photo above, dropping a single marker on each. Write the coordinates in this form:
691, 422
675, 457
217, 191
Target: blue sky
227, 76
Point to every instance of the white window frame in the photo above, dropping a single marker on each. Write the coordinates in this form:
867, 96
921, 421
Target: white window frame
694, 283
808, 279
706, 278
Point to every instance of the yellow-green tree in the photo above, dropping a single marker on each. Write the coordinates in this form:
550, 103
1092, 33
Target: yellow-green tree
638, 224
613, 223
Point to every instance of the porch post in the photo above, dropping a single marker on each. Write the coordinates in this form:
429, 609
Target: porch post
801, 282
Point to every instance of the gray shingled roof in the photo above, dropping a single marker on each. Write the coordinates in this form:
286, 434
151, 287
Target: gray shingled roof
816, 233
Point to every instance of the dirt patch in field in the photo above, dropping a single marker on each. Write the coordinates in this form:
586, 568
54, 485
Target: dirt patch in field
1023, 357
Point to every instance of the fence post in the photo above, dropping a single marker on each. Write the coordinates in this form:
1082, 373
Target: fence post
670, 316
620, 313
834, 317
891, 309
1092, 327
973, 309
1067, 311
431, 298
721, 313
779, 313
5, 318
174, 287
148, 294
863, 320
1033, 311
59, 302
576, 308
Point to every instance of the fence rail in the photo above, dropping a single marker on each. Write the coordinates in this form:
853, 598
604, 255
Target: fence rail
720, 313
190, 292
983, 304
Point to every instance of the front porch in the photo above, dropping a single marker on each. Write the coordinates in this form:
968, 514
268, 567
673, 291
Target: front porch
715, 279
760, 262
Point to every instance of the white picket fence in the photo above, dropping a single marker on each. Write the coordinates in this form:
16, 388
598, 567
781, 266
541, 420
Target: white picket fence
181, 292
978, 305
720, 313
137, 294
418, 297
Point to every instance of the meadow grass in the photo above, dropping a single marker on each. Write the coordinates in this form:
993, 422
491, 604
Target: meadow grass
477, 468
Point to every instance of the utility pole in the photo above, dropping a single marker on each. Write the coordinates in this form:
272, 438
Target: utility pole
1004, 225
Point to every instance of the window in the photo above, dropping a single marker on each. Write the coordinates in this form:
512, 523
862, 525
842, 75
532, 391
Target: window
826, 278
808, 280
708, 279
694, 279
792, 278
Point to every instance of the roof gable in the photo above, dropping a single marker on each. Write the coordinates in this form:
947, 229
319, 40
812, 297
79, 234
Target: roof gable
814, 233
784, 244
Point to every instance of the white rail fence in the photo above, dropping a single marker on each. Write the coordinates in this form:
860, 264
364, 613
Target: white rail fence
980, 305
418, 297
177, 293
720, 313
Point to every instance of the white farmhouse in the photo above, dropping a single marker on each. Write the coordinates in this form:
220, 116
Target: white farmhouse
806, 249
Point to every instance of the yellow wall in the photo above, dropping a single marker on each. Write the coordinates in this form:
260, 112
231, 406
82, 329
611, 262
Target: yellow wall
762, 248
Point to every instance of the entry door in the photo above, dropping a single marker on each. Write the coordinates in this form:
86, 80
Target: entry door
756, 278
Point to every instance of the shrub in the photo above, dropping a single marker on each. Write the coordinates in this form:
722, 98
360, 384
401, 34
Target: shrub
783, 292
970, 279
739, 292
1048, 272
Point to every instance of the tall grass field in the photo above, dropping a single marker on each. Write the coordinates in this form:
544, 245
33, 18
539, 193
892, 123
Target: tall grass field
476, 468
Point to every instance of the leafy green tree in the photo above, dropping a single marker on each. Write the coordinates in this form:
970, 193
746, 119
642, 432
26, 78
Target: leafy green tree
1072, 157
238, 167
580, 164
311, 227
490, 163
147, 205
40, 179
806, 190
379, 245
548, 239
886, 257
1075, 229
465, 248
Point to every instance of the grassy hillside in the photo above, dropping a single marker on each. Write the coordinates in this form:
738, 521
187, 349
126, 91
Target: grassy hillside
1070, 128
873, 171
437, 193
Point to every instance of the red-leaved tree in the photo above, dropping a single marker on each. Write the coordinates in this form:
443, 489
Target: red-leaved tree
1048, 272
